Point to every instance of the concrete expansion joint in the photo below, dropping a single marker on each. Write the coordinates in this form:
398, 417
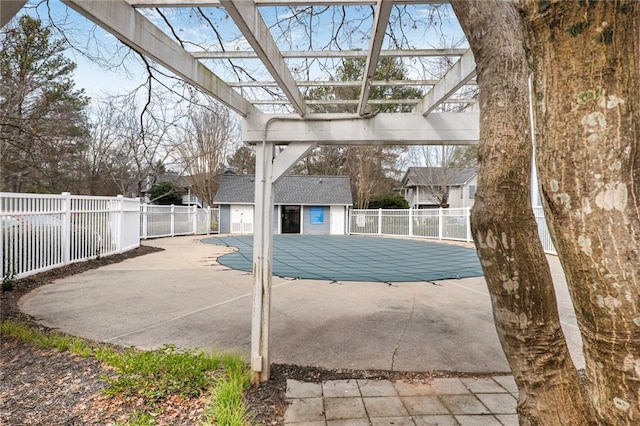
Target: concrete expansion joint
404, 330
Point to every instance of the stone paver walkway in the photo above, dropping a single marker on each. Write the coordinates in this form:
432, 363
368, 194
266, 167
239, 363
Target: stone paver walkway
444, 401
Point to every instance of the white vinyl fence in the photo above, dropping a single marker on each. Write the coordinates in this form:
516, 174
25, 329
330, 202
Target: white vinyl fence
40, 232
543, 231
442, 224
170, 221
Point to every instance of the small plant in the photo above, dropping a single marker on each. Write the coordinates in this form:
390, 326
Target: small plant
228, 407
106, 354
8, 281
81, 348
139, 418
25, 333
62, 343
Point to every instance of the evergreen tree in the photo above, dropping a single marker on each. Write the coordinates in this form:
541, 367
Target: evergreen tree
242, 161
43, 126
165, 193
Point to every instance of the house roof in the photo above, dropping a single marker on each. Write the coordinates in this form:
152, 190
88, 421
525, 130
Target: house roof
427, 176
316, 190
173, 177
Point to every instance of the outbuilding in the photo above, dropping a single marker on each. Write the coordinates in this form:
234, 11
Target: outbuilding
312, 205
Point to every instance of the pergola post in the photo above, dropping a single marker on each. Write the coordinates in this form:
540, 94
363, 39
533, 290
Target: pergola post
268, 170
262, 257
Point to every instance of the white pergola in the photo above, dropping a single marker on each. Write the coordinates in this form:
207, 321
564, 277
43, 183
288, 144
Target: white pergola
297, 126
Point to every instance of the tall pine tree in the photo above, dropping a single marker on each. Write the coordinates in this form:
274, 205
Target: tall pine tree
43, 126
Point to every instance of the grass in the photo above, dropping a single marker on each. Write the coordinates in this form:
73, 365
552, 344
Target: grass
158, 374
228, 407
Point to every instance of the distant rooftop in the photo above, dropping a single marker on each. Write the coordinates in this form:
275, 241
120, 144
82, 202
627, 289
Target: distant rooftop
425, 176
309, 190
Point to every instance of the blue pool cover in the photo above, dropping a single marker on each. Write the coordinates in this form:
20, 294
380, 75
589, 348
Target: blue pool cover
356, 258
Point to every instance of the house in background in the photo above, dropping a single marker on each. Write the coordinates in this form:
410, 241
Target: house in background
421, 184
303, 204
180, 183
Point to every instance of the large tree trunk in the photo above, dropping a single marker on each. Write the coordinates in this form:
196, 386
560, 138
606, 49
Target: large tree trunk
504, 228
586, 58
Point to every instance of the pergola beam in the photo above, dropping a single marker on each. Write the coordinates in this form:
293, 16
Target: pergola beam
215, 3
246, 16
355, 102
9, 9
457, 76
334, 83
134, 30
380, 22
381, 129
296, 54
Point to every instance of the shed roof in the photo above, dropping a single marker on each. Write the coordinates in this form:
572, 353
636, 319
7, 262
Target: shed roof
427, 176
310, 190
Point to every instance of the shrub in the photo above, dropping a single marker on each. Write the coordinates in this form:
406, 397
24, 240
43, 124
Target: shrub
390, 200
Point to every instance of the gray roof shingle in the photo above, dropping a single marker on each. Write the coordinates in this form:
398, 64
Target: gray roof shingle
427, 176
315, 190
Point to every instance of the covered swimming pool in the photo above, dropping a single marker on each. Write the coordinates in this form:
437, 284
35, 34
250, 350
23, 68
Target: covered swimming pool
356, 258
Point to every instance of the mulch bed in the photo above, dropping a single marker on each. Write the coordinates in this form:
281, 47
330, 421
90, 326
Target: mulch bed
44, 386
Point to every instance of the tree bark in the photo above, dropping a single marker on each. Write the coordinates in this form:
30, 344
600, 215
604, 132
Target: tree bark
504, 228
586, 59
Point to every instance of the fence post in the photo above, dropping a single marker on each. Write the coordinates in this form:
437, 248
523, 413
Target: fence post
145, 221
120, 200
379, 221
173, 221
208, 220
469, 237
195, 219
411, 222
440, 222
66, 228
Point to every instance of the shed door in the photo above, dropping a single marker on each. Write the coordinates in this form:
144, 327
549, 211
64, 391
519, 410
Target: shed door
290, 219
338, 220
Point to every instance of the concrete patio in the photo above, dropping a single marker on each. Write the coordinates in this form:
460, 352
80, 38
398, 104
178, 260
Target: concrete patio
183, 296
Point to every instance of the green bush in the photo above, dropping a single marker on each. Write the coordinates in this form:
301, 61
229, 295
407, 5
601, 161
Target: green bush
165, 193
390, 200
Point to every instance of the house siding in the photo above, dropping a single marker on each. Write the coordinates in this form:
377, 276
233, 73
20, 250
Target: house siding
458, 201
238, 218
318, 214
416, 181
